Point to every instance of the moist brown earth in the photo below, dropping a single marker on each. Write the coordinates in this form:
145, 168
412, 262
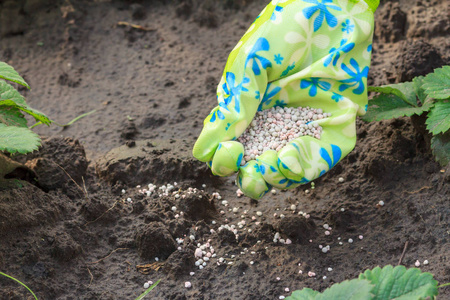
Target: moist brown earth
71, 233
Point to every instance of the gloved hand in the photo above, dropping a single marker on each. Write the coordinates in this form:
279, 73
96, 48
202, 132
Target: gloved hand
312, 53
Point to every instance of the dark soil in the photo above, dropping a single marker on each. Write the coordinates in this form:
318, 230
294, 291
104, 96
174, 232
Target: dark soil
71, 233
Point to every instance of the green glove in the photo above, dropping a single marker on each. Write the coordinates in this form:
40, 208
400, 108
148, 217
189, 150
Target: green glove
312, 53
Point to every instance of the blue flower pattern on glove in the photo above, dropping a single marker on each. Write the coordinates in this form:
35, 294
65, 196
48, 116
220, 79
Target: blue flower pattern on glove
268, 96
347, 26
336, 52
277, 9
321, 7
280, 103
278, 59
336, 97
233, 91
288, 69
356, 77
313, 84
261, 44
216, 114
337, 154
262, 169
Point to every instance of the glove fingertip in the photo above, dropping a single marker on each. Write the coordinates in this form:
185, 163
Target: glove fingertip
203, 150
227, 158
251, 182
289, 162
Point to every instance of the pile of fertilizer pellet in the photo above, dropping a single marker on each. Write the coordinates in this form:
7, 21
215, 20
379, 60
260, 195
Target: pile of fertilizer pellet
274, 128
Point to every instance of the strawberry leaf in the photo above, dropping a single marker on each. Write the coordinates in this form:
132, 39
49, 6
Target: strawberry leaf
437, 84
18, 139
438, 120
355, 289
419, 90
404, 90
400, 284
440, 144
7, 72
385, 107
12, 116
10, 97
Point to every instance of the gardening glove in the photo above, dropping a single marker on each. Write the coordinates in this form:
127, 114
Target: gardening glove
313, 53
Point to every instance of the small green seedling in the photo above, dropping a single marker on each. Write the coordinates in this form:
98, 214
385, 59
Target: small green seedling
378, 284
148, 290
16, 280
427, 96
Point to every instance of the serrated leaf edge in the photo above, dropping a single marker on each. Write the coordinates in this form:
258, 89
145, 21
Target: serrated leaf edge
20, 81
427, 122
427, 82
397, 269
436, 157
13, 150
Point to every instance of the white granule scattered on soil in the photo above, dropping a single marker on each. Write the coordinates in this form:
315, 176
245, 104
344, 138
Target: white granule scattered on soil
311, 274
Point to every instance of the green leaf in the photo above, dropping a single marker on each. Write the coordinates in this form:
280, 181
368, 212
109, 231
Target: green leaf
304, 294
401, 284
355, 289
18, 139
404, 90
419, 90
438, 119
7, 72
437, 84
12, 116
9, 96
385, 107
141, 296
440, 145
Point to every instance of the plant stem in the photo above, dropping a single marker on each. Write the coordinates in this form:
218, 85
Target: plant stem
148, 290
68, 124
10, 277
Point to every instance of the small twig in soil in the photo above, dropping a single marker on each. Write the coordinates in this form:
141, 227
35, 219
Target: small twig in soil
66, 9
102, 214
145, 269
135, 26
112, 252
129, 266
403, 254
419, 190
84, 186
92, 277
79, 187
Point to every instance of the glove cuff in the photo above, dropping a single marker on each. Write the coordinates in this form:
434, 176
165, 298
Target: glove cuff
373, 4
